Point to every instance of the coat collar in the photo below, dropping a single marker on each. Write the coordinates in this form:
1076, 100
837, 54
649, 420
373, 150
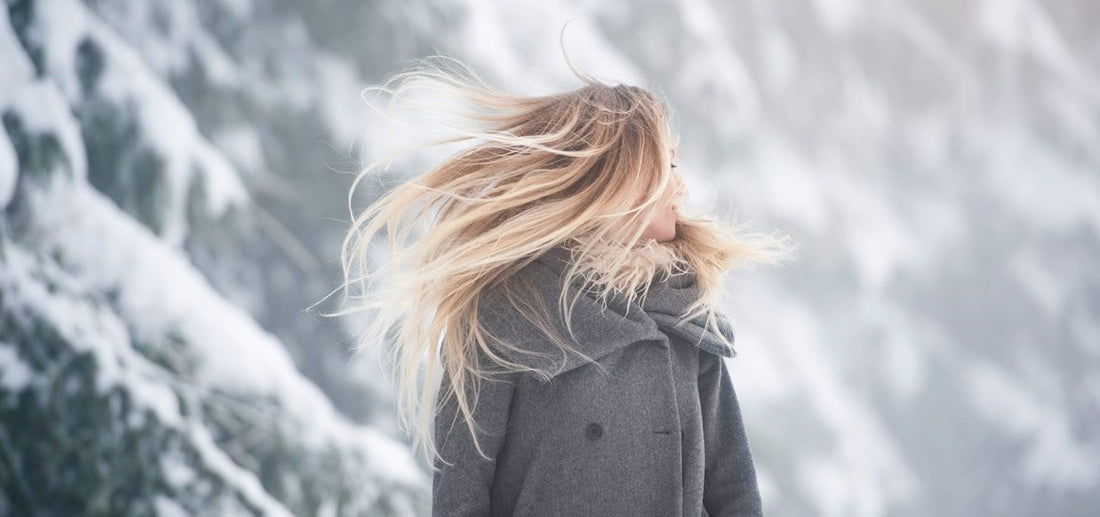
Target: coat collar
598, 330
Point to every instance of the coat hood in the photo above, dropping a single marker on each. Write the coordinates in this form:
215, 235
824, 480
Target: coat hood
598, 330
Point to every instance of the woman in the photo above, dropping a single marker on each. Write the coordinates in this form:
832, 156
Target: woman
561, 303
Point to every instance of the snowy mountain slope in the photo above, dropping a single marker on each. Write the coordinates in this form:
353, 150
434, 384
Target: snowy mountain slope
129, 385
228, 131
191, 140
192, 387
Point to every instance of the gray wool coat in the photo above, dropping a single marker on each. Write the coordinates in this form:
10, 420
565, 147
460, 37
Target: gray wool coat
657, 432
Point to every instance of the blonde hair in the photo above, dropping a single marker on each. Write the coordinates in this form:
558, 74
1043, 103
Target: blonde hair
588, 167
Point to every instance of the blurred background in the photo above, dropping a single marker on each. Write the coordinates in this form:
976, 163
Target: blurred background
174, 178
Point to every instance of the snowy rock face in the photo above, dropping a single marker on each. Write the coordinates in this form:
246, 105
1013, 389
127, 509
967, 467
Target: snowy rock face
170, 206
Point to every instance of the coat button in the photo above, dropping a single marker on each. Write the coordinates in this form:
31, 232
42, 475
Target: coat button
594, 431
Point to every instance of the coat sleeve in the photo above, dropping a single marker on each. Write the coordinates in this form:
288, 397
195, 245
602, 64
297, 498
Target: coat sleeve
464, 487
730, 486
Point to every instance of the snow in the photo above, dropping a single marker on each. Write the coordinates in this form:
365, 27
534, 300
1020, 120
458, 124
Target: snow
1069, 192
906, 356
51, 115
1055, 457
16, 374
243, 147
165, 123
21, 90
99, 332
321, 83
1040, 282
339, 105
1023, 26
769, 489
719, 72
242, 9
793, 187
833, 490
168, 508
9, 172
931, 43
177, 471
170, 36
108, 251
105, 250
518, 45
879, 240
485, 38
839, 15
951, 229
779, 58
13, 60
863, 471
866, 468
237, 355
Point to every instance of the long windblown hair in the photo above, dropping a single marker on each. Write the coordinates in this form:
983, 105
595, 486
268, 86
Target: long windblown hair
588, 168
